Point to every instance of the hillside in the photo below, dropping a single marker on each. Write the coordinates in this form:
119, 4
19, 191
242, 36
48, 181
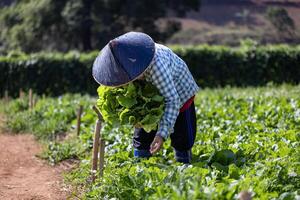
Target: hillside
227, 21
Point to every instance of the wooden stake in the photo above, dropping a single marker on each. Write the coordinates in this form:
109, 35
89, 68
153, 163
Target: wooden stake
98, 113
95, 149
21, 93
96, 143
79, 119
30, 99
101, 157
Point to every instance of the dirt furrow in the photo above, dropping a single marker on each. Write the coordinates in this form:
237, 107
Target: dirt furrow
23, 175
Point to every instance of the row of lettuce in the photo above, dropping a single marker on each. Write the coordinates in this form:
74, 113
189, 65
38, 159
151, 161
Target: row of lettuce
247, 140
212, 66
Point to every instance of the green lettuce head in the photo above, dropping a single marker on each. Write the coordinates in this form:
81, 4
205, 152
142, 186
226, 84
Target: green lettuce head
138, 104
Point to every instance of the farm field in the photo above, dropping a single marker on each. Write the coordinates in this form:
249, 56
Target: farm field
247, 140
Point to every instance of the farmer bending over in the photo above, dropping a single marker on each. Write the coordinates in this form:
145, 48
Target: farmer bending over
135, 56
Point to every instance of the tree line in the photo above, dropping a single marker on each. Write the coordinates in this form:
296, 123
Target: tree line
35, 25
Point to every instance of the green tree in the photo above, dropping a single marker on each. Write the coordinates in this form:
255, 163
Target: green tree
77, 15
34, 25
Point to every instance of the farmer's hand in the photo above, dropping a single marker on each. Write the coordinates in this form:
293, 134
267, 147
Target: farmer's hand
156, 144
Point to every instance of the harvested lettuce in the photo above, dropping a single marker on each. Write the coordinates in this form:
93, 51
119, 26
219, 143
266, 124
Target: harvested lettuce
138, 104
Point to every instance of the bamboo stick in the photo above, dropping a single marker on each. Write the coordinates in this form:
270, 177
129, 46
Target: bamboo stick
96, 143
98, 113
95, 149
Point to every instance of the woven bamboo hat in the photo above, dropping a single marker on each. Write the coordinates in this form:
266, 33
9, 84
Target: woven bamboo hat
124, 59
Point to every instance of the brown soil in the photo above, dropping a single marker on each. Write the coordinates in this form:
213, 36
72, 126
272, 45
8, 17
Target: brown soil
23, 175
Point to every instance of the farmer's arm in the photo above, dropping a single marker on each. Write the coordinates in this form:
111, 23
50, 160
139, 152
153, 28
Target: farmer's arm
161, 78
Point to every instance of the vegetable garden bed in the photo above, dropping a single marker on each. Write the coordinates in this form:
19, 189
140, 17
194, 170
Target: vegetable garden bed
247, 139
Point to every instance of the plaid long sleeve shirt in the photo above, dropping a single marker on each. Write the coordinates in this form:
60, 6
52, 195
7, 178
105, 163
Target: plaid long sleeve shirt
175, 83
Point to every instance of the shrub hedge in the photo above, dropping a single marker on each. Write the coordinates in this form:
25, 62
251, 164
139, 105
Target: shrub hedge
220, 66
212, 66
48, 73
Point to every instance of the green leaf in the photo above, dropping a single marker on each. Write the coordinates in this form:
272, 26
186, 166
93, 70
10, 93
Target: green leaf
126, 102
158, 98
224, 157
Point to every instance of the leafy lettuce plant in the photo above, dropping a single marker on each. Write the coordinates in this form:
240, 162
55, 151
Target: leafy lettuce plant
138, 104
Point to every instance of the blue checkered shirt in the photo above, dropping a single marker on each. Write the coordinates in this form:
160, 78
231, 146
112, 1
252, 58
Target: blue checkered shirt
171, 76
